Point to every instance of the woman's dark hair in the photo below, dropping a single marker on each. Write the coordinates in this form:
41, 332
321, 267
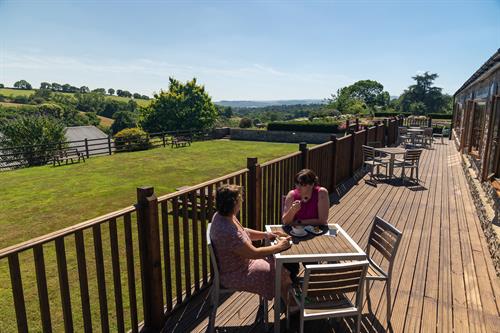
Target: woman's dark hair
306, 176
226, 198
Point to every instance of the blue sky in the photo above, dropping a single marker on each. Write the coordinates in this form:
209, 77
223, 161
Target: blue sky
259, 50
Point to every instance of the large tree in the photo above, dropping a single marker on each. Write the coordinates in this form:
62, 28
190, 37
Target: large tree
123, 119
422, 97
37, 135
361, 96
22, 84
111, 91
182, 106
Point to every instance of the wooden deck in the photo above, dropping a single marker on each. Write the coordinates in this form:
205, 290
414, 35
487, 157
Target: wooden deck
443, 280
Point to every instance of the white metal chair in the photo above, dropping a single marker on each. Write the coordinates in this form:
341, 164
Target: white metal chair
322, 293
384, 239
217, 289
411, 161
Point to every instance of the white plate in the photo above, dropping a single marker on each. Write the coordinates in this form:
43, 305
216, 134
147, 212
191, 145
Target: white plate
304, 233
310, 228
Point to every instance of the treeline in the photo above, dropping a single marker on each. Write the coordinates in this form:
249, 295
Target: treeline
68, 88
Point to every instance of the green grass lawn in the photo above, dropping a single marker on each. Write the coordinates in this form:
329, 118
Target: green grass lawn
39, 200
35, 201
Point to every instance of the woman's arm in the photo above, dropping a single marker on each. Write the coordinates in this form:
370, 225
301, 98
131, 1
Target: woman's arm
323, 207
248, 251
289, 209
256, 235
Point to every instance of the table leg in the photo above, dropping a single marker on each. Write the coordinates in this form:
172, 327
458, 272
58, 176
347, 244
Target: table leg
391, 166
277, 297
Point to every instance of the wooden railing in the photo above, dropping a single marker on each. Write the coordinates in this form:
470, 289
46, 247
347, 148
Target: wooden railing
132, 268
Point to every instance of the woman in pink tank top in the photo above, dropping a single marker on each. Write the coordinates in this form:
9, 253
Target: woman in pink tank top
308, 203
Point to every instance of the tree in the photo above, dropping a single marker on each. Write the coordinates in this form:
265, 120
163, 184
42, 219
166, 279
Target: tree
225, 111
35, 134
45, 85
137, 96
1, 85
111, 91
183, 106
56, 86
245, 123
362, 96
126, 93
99, 91
424, 92
66, 87
22, 84
84, 89
119, 92
91, 102
123, 119
146, 97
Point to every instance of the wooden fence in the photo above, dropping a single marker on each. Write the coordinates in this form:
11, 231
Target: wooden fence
157, 249
23, 156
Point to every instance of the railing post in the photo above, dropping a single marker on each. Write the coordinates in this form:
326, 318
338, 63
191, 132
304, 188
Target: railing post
109, 144
254, 190
333, 138
87, 147
353, 152
163, 138
429, 122
149, 247
357, 124
366, 135
304, 157
386, 132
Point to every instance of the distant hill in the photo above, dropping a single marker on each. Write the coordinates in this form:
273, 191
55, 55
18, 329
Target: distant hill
259, 104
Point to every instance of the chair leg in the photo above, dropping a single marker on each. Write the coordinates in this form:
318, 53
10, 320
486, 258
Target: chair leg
265, 313
368, 300
388, 294
301, 329
418, 178
358, 324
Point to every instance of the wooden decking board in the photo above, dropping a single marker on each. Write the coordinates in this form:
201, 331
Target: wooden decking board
443, 279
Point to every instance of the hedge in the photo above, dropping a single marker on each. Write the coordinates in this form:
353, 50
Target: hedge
303, 127
440, 115
407, 114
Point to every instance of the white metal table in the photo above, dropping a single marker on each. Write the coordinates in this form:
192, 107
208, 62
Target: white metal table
312, 249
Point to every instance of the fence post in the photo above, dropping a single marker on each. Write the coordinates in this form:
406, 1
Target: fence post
386, 133
353, 152
305, 155
333, 138
163, 138
366, 135
357, 124
109, 144
254, 190
429, 122
87, 147
149, 248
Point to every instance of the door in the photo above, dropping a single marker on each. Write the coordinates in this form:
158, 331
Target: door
493, 164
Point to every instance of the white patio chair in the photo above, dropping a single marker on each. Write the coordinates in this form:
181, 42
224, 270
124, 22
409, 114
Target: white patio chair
217, 289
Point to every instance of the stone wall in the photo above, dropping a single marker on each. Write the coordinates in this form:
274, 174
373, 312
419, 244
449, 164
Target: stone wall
278, 136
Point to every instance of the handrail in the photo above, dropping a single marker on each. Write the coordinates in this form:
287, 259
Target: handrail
321, 145
279, 159
64, 232
195, 187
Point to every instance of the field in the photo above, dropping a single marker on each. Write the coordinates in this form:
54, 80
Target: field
16, 92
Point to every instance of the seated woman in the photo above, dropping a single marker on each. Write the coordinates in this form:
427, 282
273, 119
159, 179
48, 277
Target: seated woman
308, 203
243, 266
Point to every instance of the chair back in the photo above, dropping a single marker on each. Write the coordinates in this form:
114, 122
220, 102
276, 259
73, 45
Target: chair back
329, 281
384, 238
368, 153
428, 132
213, 258
413, 155
402, 130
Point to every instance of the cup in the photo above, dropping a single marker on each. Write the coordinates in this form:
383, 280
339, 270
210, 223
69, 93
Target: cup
298, 229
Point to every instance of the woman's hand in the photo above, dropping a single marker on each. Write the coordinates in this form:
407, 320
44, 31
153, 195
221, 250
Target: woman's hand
283, 243
295, 206
275, 234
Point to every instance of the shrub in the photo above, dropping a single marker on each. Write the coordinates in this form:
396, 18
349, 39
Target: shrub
391, 114
21, 99
131, 139
245, 123
303, 127
440, 115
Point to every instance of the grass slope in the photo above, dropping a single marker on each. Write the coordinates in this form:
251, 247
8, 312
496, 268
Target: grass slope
11, 93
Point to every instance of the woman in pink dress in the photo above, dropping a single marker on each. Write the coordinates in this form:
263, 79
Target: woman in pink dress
308, 203
243, 266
